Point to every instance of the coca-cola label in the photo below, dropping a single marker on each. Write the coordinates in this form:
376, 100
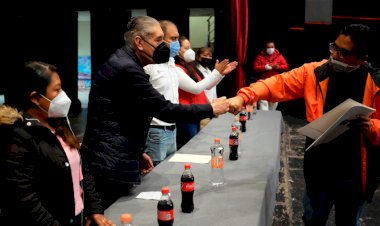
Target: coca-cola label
187, 186
217, 162
165, 215
243, 118
234, 142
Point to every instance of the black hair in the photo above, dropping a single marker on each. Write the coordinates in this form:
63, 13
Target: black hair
32, 76
191, 68
360, 37
202, 50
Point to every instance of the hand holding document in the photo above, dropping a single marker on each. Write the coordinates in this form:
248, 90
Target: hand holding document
332, 124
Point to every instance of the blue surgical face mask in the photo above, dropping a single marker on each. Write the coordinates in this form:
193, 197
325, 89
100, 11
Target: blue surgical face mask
174, 48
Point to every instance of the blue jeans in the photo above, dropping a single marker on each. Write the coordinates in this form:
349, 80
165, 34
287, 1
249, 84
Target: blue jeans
186, 131
160, 144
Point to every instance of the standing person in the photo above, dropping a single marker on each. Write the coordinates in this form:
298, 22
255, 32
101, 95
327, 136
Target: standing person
203, 61
267, 63
115, 138
185, 63
44, 180
343, 172
161, 139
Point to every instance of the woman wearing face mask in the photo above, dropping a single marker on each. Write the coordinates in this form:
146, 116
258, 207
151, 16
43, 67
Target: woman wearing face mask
185, 61
267, 63
203, 61
44, 181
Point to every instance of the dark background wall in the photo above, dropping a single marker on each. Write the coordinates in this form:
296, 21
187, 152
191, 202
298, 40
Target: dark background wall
50, 34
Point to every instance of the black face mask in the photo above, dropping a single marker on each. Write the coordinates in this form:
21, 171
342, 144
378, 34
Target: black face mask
206, 62
161, 53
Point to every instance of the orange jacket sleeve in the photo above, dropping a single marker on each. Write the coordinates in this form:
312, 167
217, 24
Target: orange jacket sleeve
282, 87
374, 129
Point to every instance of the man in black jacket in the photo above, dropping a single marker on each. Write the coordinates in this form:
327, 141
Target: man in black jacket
115, 139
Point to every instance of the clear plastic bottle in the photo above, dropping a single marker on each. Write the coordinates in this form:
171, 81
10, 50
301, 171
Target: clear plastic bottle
217, 163
165, 209
187, 189
126, 219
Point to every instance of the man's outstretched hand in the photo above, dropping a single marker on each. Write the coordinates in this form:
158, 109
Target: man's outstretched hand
220, 106
235, 104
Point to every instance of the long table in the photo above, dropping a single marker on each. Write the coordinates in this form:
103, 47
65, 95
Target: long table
247, 198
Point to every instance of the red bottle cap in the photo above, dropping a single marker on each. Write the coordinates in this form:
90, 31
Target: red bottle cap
165, 190
187, 165
126, 218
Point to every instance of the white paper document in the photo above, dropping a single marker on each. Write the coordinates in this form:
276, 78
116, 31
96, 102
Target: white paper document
150, 195
332, 124
177, 157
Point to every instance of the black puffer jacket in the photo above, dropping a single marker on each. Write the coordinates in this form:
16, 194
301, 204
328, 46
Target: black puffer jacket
114, 137
35, 176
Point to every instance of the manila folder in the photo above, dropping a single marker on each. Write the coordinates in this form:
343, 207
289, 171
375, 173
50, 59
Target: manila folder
332, 124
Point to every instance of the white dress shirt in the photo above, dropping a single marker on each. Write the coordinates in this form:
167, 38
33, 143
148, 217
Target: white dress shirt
167, 78
189, 85
211, 91
164, 79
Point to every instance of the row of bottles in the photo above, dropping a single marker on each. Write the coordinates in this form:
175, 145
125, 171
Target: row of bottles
165, 206
217, 150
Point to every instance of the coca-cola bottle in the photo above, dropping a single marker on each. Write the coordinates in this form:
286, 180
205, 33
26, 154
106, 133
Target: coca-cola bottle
237, 123
187, 189
249, 110
243, 119
165, 209
234, 144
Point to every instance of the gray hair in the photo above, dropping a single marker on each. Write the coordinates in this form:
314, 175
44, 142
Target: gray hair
139, 26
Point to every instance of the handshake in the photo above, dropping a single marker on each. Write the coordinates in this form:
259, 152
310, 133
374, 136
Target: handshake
222, 105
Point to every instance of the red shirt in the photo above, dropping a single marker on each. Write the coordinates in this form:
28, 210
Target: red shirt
189, 98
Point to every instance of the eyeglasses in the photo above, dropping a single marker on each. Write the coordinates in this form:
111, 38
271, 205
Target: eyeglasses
340, 51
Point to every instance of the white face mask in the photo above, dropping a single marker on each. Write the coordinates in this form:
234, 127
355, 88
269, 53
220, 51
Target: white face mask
59, 106
270, 51
342, 67
189, 55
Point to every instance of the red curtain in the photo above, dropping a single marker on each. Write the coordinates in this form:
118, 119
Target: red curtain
239, 18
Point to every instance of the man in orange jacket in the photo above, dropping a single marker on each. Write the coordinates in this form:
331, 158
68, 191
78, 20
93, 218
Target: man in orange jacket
345, 171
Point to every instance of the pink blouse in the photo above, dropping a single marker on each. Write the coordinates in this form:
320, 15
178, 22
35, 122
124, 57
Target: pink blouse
76, 174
